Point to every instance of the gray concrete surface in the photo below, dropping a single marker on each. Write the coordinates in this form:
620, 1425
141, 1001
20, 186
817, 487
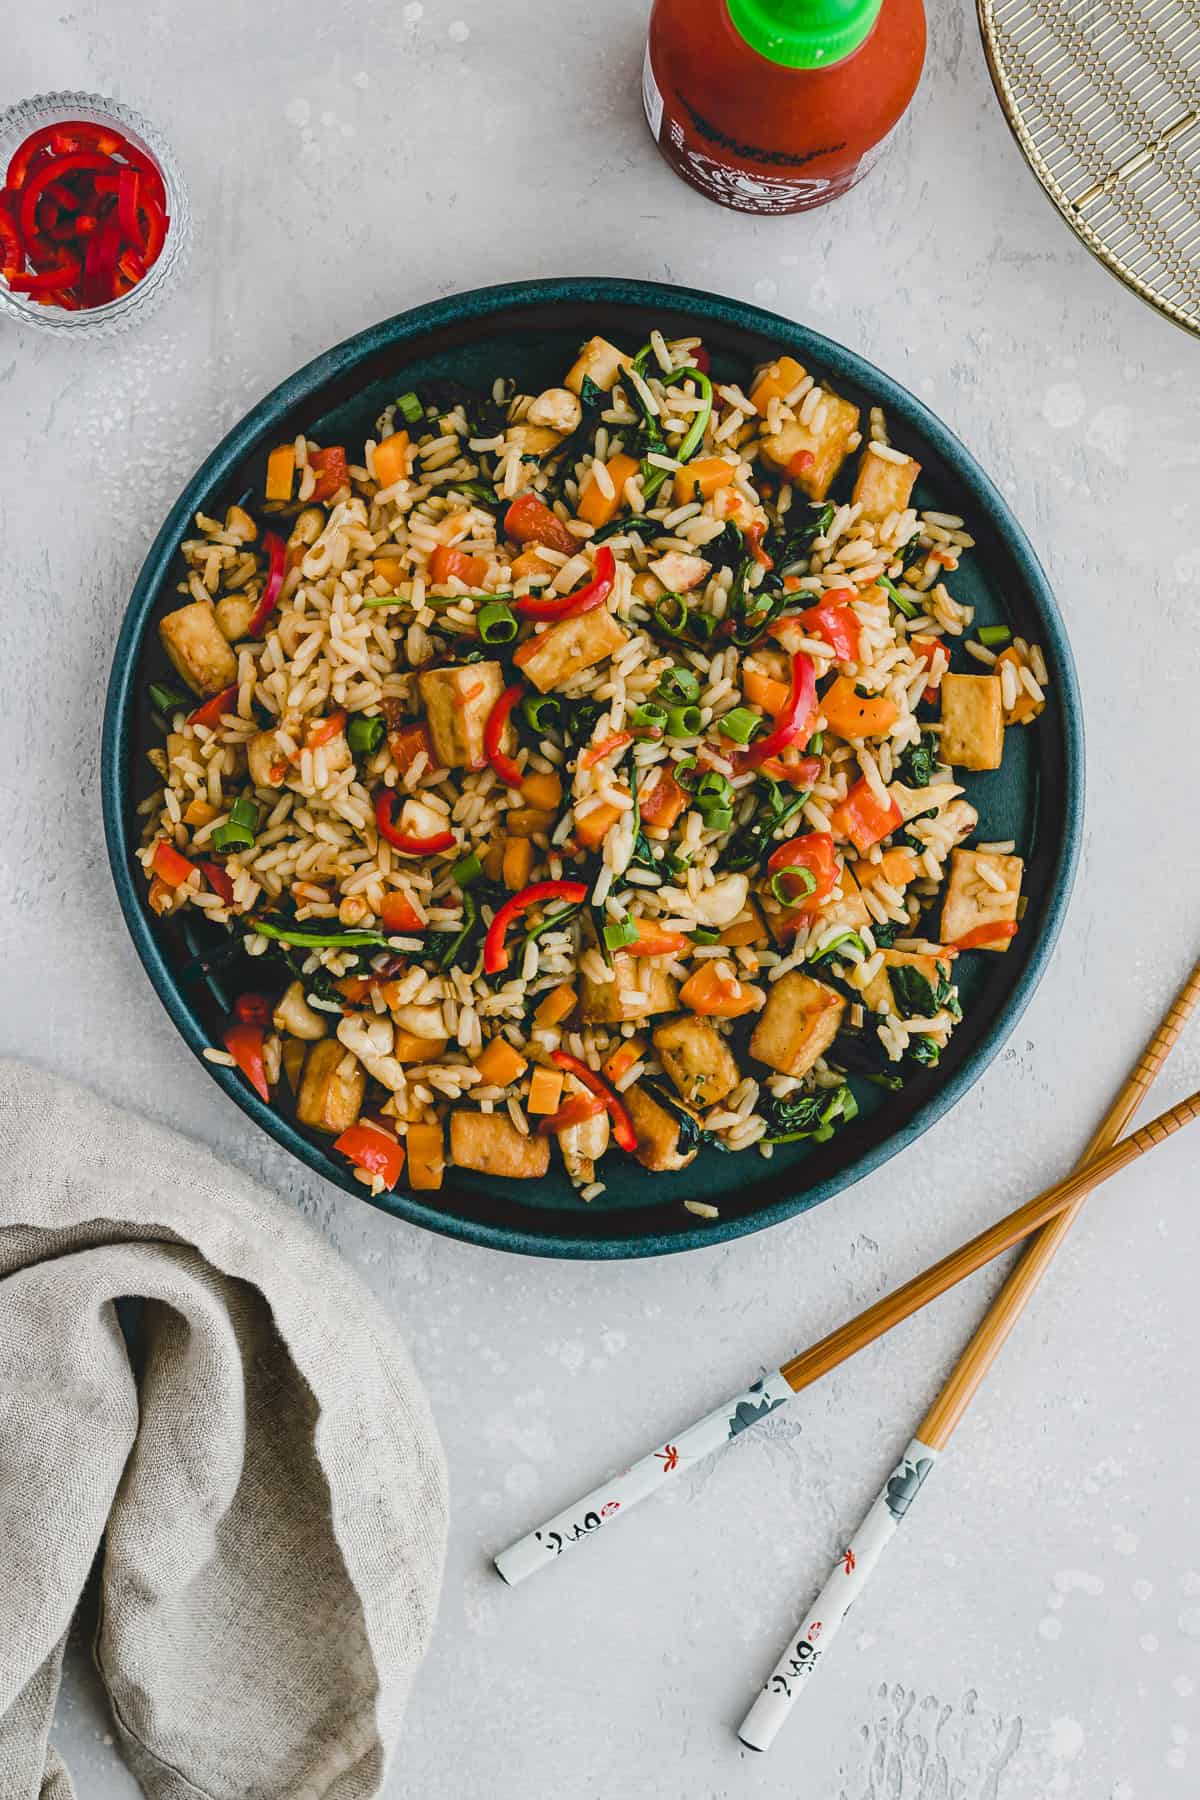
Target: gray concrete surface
1038, 1633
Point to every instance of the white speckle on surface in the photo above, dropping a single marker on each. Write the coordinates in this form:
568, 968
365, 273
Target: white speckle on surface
1185, 568
1078, 1581
1189, 1621
459, 30
1180, 1734
766, 289
1125, 1542
1108, 432
1065, 1739
1122, 1791
1148, 1642
1175, 1758
1189, 1582
413, 12
1183, 1685
613, 1342
298, 111
1142, 1589
361, 79
328, 119
1063, 405
1055, 1602
1050, 1628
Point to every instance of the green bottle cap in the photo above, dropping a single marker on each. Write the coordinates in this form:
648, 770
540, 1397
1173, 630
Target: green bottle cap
803, 34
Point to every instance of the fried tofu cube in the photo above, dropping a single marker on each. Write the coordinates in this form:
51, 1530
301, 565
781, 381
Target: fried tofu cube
798, 1023
658, 1133
972, 902
600, 361
331, 1088
680, 572
812, 454
491, 1143
697, 1059
457, 703
972, 721
880, 996
198, 647
534, 440
913, 803
566, 648
882, 485
640, 989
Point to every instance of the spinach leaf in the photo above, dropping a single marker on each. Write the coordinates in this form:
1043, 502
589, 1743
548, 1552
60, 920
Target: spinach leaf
918, 763
691, 1133
579, 720
636, 527
747, 615
486, 416
752, 842
789, 541
925, 1050
815, 1116
918, 998
726, 551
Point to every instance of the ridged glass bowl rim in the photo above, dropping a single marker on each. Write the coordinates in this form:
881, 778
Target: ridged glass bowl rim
25, 116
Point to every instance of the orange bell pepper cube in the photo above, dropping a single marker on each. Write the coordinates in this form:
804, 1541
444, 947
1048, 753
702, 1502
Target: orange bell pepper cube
652, 940
554, 1007
499, 1064
281, 469
745, 931
702, 479
852, 716
594, 507
532, 562
426, 1156
517, 863
897, 867
374, 1150
390, 569
776, 382
392, 459
447, 564
595, 826
542, 791
169, 865
618, 1062
861, 818
407, 1047
399, 913
545, 1091
763, 690
323, 731
661, 805
714, 994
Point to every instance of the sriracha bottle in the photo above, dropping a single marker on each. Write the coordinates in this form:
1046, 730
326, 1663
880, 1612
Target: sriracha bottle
774, 106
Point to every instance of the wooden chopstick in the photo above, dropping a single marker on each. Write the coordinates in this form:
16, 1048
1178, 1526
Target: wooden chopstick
622, 1492
1103, 1157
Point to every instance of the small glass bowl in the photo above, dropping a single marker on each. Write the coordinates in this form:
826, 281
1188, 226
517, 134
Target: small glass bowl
16, 123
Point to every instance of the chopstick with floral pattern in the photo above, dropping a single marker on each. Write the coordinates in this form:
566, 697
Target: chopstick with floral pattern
1106, 1153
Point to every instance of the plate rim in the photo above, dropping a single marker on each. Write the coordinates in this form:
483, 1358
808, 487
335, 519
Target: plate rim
482, 304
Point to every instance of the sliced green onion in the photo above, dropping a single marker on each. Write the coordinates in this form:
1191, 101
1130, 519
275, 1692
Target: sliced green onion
994, 634
792, 896
835, 944
705, 934
699, 425
320, 940
907, 607
679, 686
374, 601
543, 712
683, 721
497, 623
237, 833
713, 787
815, 744
620, 933
740, 724
650, 716
672, 614
685, 774
717, 818
166, 699
703, 625
365, 733
466, 871
411, 407
562, 916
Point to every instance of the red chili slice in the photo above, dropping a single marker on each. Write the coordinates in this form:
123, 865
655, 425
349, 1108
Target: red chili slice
617, 1111
493, 737
385, 803
276, 551
127, 206
209, 711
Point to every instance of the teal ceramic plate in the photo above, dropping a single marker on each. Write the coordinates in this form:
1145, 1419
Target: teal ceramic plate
531, 331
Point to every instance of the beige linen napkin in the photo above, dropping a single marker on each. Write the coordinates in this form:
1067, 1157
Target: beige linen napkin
268, 1492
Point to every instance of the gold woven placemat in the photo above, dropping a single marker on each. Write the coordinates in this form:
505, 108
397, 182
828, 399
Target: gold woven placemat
1103, 97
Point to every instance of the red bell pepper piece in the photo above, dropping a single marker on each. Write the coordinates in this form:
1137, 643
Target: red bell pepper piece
62, 275
55, 169
493, 735
495, 954
754, 537
127, 206
23, 156
573, 1112
927, 649
598, 752
530, 521
861, 818
245, 1044
253, 1009
617, 1111
325, 730
209, 713
813, 862
999, 932
834, 620
276, 558
584, 599
385, 801
792, 722
218, 881
330, 465
701, 360
169, 865
374, 1150
801, 773
12, 250
449, 564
